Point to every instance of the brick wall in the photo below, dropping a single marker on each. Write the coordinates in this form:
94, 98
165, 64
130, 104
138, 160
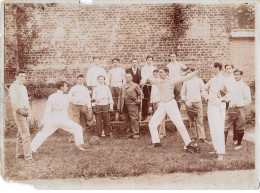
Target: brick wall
71, 34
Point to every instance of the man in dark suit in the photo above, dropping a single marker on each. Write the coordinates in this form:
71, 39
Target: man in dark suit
128, 103
135, 71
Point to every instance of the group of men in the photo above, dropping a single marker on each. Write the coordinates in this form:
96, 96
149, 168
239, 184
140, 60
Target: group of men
125, 90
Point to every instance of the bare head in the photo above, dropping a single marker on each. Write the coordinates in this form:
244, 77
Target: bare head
149, 60
128, 78
173, 57
80, 79
216, 68
20, 76
238, 74
163, 73
101, 79
62, 85
134, 63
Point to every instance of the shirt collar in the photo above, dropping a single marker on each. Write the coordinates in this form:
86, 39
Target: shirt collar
18, 83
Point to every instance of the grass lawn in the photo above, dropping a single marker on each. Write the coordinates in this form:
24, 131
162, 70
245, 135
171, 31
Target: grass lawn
118, 157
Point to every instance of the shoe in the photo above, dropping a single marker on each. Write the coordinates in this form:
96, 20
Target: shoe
155, 145
162, 137
220, 157
128, 137
20, 157
235, 142
238, 147
80, 148
212, 152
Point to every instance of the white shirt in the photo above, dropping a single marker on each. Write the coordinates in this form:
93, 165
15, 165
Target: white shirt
56, 107
93, 73
134, 70
102, 95
175, 69
19, 96
80, 95
191, 90
213, 87
241, 94
147, 72
230, 81
116, 77
155, 95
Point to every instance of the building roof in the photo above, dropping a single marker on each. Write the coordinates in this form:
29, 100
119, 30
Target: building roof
242, 33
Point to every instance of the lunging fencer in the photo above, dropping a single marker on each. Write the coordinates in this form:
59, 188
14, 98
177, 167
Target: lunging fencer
168, 105
56, 116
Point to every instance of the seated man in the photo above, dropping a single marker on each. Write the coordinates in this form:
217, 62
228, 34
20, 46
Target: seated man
56, 116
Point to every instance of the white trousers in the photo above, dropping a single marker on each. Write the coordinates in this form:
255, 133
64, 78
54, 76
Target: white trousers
171, 109
54, 124
216, 118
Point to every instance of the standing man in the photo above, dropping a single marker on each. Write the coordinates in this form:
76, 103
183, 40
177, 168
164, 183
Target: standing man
135, 71
116, 78
129, 101
103, 104
56, 116
217, 94
175, 71
230, 81
240, 99
93, 73
21, 112
191, 95
81, 102
168, 106
155, 100
146, 73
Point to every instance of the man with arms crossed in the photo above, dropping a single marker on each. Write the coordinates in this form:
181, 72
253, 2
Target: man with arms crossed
175, 71
240, 99
21, 111
217, 94
93, 73
168, 106
56, 116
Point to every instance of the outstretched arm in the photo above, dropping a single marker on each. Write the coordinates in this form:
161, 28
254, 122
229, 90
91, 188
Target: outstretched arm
184, 78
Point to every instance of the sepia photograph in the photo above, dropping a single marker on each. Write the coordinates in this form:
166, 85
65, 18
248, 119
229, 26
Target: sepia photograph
132, 95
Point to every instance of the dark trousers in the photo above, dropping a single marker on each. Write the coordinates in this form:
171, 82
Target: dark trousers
115, 91
177, 96
131, 114
147, 94
102, 117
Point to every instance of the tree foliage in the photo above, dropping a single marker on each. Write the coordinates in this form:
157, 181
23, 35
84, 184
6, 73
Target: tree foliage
180, 22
